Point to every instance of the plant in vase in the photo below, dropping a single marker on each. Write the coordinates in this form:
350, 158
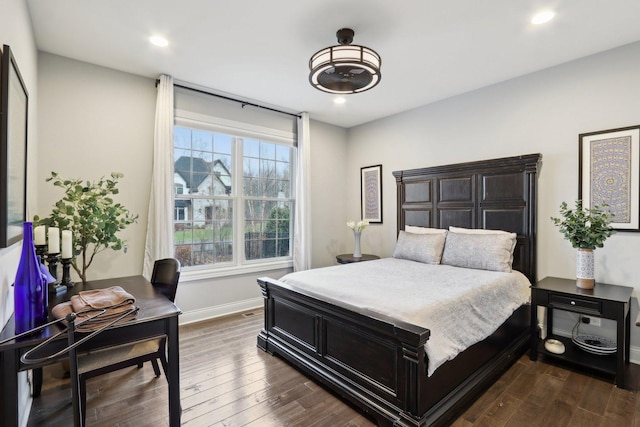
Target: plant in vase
357, 228
586, 229
88, 210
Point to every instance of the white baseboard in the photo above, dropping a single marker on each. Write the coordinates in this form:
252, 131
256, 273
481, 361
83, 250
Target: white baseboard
634, 352
220, 310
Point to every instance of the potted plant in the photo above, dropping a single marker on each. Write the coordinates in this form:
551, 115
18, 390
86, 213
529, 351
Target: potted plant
88, 210
586, 229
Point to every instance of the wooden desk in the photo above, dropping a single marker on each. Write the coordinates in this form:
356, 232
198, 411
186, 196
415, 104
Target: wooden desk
157, 316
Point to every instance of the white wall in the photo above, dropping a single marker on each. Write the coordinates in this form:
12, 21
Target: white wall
329, 177
543, 112
16, 31
97, 120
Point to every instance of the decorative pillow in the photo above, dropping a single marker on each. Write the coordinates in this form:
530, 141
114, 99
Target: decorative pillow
425, 248
484, 251
423, 230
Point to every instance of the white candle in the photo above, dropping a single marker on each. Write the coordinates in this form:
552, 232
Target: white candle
54, 240
67, 248
39, 237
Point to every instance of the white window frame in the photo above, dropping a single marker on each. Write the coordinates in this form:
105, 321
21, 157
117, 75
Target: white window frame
239, 265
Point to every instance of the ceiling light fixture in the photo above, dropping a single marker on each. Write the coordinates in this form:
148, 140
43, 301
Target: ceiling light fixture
345, 68
159, 41
543, 17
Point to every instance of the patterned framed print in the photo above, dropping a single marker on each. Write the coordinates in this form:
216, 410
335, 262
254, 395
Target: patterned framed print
609, 172
371, 193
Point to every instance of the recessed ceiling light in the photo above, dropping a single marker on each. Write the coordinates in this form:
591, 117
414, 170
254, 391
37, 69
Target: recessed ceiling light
543, 17
159, 41
339, 100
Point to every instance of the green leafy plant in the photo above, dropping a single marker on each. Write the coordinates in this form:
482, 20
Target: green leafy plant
94, 218
585, 228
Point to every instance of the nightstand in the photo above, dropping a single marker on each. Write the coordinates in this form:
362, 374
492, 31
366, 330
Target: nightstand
605, 301
349, 258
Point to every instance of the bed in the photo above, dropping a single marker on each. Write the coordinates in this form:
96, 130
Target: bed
377, 362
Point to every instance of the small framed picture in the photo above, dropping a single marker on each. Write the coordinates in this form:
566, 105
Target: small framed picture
609, 162
371, 193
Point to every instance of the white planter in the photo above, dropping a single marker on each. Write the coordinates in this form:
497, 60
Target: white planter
356, 250
585, 277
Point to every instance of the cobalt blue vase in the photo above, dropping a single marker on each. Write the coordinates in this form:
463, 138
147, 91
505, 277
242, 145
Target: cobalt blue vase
30, 296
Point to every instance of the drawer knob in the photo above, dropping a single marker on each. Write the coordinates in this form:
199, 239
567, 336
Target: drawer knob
573, 303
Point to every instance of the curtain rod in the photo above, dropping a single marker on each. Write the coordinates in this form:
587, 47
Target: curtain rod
233, 99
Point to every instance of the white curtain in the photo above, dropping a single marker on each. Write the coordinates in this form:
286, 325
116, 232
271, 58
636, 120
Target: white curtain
302, 219
159, 242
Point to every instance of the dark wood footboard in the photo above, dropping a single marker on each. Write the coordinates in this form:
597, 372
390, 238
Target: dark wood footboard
379, 364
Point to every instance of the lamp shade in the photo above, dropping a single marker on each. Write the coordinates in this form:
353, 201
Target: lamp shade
345, 68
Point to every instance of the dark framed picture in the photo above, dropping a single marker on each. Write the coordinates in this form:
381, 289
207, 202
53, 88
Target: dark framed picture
371, 193
609, 172
14, 104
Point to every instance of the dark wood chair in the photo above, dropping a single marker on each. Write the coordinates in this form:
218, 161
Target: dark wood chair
165, 276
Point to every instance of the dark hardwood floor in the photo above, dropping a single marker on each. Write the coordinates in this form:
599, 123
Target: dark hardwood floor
227, 381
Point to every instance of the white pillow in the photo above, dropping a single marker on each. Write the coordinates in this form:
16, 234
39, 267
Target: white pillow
426, 248
484, 251
423, 230
477, 231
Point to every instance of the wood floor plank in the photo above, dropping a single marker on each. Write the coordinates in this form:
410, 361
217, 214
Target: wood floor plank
226, 380
620, 409
522, 384
528, 414
584, 418
500, 412
596, 397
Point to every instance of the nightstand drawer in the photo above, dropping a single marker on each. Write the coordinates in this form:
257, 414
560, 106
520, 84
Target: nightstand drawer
575, 304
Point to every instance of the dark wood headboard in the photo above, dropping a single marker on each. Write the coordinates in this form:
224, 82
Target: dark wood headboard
496, 194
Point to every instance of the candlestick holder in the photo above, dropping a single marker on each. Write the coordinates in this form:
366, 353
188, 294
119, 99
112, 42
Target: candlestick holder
52, 260
41, 251
66, 276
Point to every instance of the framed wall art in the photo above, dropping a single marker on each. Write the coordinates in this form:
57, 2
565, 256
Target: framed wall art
609, 172
371, 193
14, 100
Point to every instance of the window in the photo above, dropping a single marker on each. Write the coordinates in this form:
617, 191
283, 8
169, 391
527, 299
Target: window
180, 213
228, 218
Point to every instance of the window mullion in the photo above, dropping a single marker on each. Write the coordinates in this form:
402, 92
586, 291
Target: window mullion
238, 219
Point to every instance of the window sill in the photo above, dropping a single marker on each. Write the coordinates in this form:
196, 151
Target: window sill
191, 274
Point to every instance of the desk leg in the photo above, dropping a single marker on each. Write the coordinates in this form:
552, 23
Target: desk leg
627, 341
37, 382
9, 388
622, 349
533, 350
174, 372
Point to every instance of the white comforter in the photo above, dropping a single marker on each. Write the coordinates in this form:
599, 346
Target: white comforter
459, 306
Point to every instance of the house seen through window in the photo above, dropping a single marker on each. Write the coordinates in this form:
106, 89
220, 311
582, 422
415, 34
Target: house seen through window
233, 198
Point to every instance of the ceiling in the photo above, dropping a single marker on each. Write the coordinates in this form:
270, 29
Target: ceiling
259, 50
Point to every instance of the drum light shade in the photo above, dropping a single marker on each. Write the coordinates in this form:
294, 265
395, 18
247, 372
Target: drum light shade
345, 68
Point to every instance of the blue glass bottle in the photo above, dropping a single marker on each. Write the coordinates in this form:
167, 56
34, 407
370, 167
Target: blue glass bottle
30, 289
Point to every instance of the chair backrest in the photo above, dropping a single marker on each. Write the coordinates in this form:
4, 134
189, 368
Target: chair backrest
165, 275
